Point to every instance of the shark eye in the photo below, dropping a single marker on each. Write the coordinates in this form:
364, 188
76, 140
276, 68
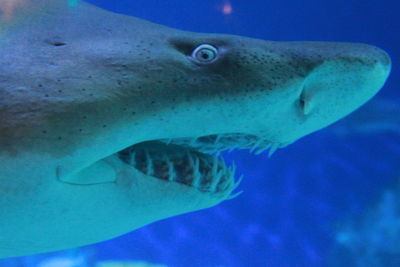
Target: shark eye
205, 53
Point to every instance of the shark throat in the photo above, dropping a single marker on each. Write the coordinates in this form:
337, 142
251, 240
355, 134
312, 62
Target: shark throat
194, 162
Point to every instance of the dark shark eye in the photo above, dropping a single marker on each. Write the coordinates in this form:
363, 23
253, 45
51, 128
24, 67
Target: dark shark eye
205, 53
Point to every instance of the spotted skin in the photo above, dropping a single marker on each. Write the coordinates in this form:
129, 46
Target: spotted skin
79, 84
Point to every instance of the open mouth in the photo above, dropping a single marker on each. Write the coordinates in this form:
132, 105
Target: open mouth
194, 162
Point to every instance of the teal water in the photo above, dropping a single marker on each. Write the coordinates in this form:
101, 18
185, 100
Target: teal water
331, 199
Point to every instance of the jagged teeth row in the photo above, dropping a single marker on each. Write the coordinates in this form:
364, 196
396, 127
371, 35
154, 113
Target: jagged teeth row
262, 145
219, 179
216, 143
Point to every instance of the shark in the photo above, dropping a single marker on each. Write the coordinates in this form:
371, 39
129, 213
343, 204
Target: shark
109, 122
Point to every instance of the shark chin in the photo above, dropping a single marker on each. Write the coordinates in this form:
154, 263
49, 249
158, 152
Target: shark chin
109, 122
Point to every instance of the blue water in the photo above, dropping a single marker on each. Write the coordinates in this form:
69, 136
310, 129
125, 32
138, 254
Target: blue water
296, 204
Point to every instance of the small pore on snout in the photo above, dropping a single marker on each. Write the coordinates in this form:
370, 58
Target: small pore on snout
55, 42
58, 43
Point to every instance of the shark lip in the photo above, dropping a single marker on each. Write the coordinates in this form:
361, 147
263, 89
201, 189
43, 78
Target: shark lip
194, 162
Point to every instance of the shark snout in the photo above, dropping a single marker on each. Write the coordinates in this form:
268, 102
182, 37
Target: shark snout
315, 53
345, 77
327, 81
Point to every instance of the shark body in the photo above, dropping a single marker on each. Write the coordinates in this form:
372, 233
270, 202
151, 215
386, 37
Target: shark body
106, 120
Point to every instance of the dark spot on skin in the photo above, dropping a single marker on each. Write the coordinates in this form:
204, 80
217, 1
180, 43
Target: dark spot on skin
44, 131
60, 91
84, 117
302, 103
46, 95
40, 85
133, 113
57, 43
104, 126
59, 138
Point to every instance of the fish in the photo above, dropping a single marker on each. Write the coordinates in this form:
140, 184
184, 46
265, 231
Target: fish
109, 122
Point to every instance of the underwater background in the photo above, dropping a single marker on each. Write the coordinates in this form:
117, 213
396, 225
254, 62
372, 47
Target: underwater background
330, 199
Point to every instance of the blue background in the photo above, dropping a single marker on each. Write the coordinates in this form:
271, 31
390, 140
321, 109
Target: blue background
295, 203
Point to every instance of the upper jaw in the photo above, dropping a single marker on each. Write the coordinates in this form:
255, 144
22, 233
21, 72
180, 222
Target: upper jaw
219, 142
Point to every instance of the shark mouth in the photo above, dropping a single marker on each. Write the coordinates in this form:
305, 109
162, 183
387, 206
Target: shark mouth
194, 162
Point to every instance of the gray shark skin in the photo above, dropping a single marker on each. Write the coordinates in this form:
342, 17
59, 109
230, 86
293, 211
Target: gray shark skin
107, 121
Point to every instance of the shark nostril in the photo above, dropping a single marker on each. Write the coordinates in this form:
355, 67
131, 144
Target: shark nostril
305, 104
302, 103
58, 43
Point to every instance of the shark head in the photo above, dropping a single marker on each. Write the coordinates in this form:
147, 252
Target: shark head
109, 122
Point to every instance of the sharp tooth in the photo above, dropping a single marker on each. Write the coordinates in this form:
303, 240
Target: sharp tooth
224, 185
248, 145
149, 161
273, 149
171, 169
217, 139
231, 149
193, 142
228, 183
166, 141
215, 166
254, 148
234, 186
256, 145
190, 158
215, 181
132, 159
261, 150
229, 173
225, 168
238, 182
217, 154
234, 195
232, 169
196, 173
195, 165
